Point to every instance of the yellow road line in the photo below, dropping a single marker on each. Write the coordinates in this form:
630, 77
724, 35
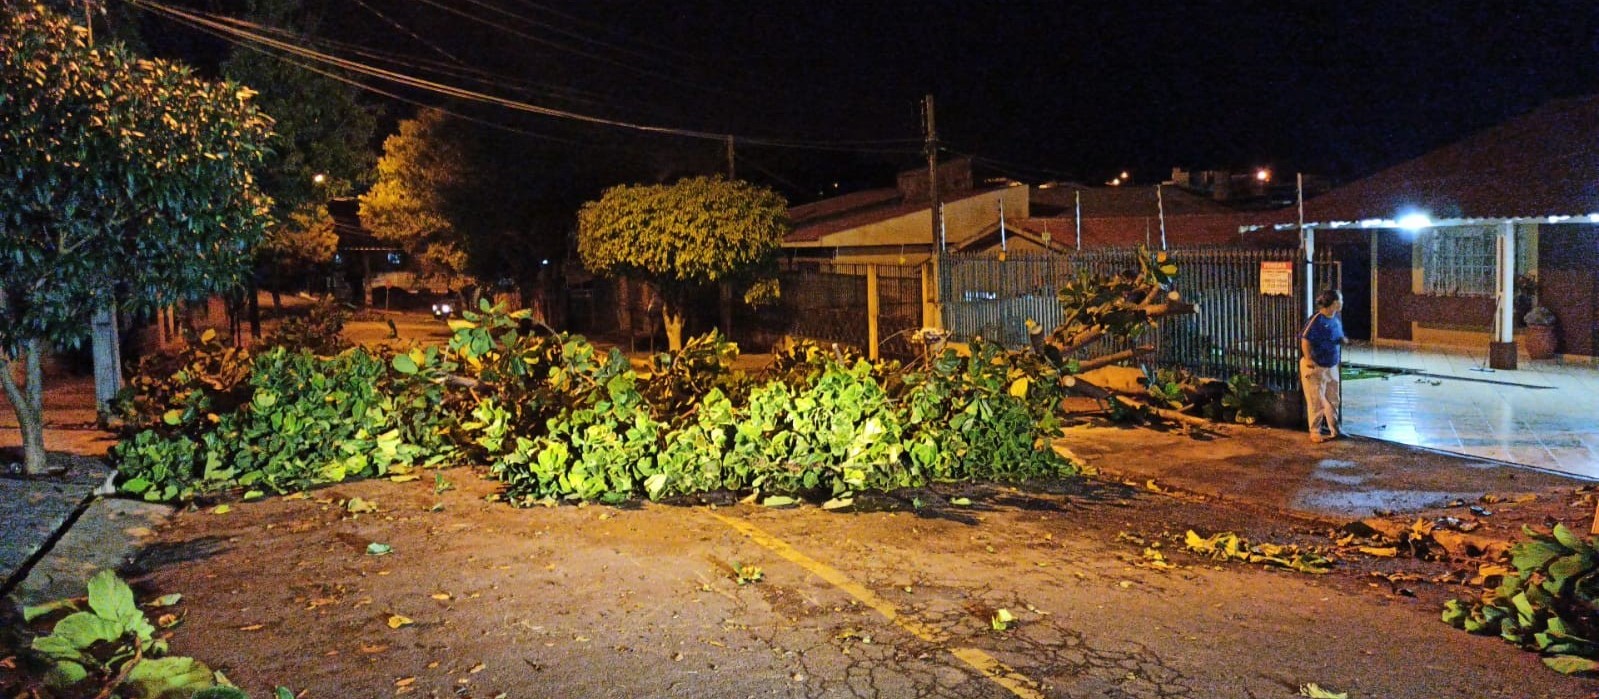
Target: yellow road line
979, 660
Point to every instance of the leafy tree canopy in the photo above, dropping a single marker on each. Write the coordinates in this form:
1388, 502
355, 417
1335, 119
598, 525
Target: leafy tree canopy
407, 205
117, 171
304, 239
700, 230
320, 127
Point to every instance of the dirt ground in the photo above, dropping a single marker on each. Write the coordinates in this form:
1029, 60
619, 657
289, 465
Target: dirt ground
894, 599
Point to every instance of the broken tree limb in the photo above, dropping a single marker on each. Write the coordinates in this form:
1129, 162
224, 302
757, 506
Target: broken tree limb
1114, 357
1077, 385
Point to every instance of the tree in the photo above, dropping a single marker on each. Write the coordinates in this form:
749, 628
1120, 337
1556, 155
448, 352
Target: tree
320, 147
465, 201
305, 240
699, 231
121, 176
408, 204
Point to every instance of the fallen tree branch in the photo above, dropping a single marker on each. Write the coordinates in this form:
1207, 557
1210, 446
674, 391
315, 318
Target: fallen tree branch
1114, 357
1080, 387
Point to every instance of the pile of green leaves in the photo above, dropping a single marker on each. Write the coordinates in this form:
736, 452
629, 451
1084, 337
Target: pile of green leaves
1550, 604
556, 418
321, 330
201, 376
307, 420
103, 646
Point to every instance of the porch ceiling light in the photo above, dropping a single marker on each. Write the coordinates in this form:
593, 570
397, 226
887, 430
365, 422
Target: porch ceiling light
1415, 221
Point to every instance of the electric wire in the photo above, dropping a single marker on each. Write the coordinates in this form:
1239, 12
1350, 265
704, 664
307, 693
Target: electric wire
246, 35
410, 33
570, 49
462, 71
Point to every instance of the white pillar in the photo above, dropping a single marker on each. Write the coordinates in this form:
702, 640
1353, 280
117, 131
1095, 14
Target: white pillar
1506, 278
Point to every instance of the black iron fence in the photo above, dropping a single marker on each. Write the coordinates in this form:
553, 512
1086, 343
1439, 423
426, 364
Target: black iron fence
1238, 329
829, 302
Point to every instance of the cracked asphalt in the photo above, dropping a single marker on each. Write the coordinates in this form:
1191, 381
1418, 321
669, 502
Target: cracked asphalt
889, 600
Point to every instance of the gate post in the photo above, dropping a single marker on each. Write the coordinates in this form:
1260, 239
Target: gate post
873, 307
932, 312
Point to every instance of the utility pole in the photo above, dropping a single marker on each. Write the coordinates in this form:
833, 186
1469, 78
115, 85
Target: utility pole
88, 21
724, 288
1307, 243
933, 316
1160, 206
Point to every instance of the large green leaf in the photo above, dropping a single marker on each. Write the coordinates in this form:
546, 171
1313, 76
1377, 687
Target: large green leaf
75, 633
111, 598
169, 678
1571, 664
65, 673
1533, 554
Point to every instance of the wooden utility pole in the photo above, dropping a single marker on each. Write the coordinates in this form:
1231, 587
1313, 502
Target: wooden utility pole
931, 291
724, 289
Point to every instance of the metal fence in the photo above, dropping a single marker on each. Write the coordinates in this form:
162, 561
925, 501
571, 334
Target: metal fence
1236, 330
828, 302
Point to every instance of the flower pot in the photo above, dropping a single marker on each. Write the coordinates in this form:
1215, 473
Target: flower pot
1539, 340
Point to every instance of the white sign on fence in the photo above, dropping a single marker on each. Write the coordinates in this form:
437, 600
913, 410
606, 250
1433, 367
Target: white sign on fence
1276, 278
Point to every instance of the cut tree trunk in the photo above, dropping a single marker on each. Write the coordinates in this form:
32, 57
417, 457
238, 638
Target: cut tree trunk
673, 318
28, 401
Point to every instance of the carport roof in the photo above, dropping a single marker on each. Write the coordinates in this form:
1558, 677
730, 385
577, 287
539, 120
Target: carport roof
1541, 165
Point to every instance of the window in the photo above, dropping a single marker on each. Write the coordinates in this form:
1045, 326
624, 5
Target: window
1457, 261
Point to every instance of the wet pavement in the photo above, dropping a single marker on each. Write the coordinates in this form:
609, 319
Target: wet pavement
1543, 414
1280, 469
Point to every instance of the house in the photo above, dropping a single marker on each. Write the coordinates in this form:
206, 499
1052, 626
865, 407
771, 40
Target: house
1070, 216
894, 225
1439, 241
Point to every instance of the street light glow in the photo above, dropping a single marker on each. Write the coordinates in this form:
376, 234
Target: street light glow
319, 178
1263, 175
1415, 221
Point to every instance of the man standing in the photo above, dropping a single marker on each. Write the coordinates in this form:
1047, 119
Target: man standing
1319, 343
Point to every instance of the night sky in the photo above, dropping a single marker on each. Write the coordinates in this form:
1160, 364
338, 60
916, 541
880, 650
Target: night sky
1036, 90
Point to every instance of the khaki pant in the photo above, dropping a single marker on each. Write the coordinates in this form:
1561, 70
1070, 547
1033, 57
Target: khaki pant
1322, 397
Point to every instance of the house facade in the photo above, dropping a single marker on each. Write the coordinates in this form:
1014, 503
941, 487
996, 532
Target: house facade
894, 225
1458, 245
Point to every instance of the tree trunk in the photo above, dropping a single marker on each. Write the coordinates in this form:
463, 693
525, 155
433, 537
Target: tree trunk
107, 359
672, 315
624, 310
724, 297
254, 304
28, 402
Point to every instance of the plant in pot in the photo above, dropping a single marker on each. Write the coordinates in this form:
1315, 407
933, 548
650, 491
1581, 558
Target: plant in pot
1539, 336
1526, 296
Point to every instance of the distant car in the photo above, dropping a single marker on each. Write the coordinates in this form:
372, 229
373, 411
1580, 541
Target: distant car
443, 310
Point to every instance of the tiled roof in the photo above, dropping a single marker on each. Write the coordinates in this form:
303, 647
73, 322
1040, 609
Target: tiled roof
1544, 163
869, 207
1128, 231
1127, 201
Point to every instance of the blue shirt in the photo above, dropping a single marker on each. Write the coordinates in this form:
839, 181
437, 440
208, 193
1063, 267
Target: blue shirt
1325, 335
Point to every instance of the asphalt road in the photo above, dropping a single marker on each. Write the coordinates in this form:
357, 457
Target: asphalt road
895, 601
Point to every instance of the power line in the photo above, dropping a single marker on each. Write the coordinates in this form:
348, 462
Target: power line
248, 35
570, 49
462, 71
410, 33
